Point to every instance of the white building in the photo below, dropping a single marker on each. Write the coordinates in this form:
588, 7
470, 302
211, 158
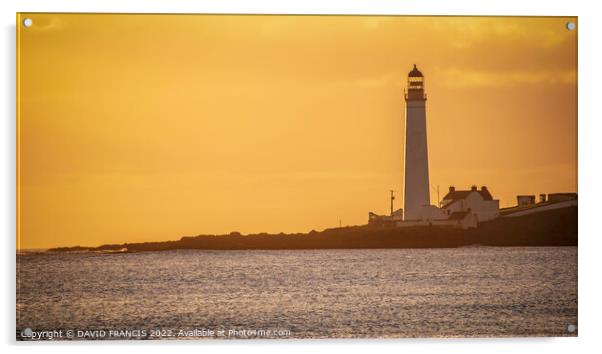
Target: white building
416, 192
385, 220
430, 215
462, 209
474, 201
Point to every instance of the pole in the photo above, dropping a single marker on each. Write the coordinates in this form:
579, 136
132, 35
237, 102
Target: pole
392, 199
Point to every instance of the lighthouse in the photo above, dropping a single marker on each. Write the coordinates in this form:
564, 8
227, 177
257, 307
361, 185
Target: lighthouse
416, 172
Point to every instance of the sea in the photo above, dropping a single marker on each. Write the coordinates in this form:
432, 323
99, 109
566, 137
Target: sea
291, 294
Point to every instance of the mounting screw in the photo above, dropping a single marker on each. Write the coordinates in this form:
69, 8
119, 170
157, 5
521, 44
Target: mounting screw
570, 26
571, 328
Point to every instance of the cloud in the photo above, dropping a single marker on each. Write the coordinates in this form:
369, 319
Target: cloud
458, 78
474, 31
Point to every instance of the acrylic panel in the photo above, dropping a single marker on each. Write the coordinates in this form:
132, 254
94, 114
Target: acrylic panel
295, 176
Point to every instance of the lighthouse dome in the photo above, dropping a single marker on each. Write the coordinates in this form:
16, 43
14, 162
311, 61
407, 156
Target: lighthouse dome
415, 72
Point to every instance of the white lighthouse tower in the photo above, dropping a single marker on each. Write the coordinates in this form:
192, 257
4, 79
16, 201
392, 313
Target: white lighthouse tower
416, 174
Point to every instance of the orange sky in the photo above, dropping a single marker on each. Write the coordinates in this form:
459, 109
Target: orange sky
150, 127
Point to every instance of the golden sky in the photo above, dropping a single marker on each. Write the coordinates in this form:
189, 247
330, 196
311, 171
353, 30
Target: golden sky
150, 127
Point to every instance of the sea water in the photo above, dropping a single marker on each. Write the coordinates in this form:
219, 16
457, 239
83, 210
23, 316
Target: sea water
392, 293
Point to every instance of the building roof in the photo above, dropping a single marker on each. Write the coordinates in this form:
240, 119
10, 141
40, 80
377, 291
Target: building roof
455, 195
514, 209
517, 208
415, 72
573, 195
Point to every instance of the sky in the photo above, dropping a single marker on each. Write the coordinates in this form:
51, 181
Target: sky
137, 128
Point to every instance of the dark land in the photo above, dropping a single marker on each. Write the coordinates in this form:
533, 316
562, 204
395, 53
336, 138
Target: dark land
548, 228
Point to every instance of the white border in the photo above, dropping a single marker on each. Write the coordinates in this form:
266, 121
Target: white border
375, 7
589, 164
